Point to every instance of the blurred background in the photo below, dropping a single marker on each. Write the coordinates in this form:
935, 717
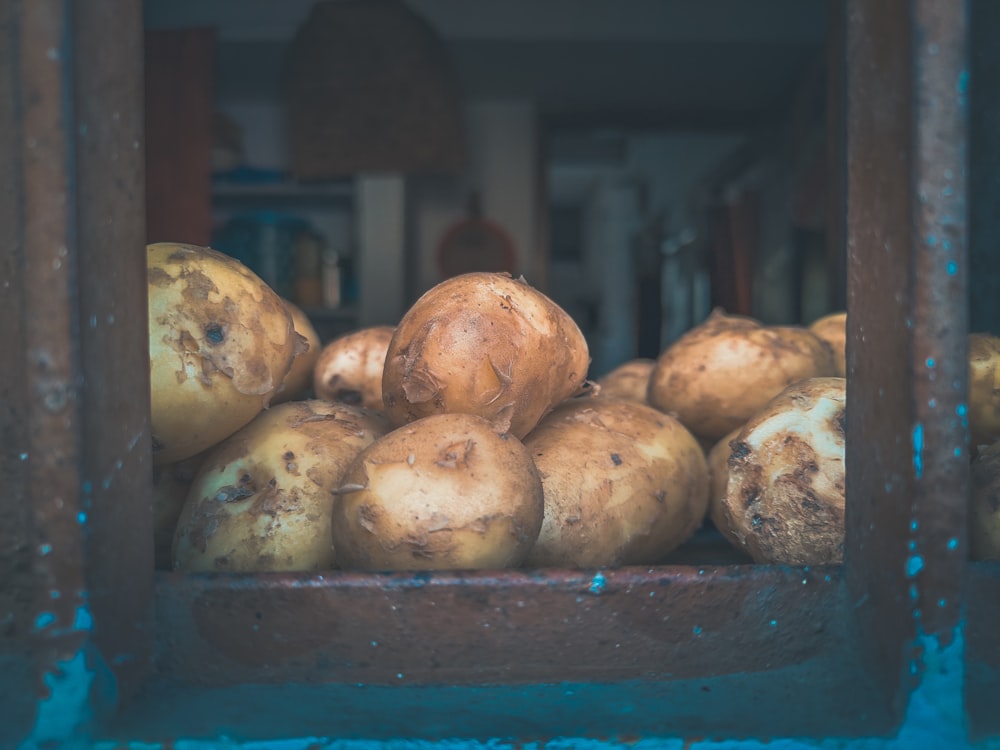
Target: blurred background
639, 162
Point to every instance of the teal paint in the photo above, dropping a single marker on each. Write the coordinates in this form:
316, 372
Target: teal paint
953, 543
44, 620
81, 517
952, 268
598, 583
914, 565
930, 362
918, 450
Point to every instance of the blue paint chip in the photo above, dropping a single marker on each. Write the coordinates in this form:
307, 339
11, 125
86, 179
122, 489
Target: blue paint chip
952, 268
961, 410
81, 517
597, 584
931, 240
953, 543
914, 525
774, 623
932, 403
942, 603
912, 545
44, 620
914, 594
958, 452
918, 450
696, 630
930, 362
44, 549
914, 565
83, 619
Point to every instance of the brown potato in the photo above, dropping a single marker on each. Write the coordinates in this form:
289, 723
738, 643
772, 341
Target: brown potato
785, 498
300, 377
718, 474
350, 367
629, 381
723, 371
984, 511
444, 492
485, 344
832, 329
220, 343
262, 500
623, 484
984, 389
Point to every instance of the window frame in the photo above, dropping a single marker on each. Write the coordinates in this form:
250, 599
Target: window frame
89, 616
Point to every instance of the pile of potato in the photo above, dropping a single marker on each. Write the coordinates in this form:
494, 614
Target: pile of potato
468, 436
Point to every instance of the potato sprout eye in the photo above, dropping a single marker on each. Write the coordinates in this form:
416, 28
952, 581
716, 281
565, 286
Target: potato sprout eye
214, 333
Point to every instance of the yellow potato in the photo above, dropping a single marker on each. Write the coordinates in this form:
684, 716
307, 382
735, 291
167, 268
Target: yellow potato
350, 367
718, 474
984, 389
262, 500
299, 378
485, 344
623, 484
785, 497
630, 381
723, 371
220, 343
832, 329
444, 492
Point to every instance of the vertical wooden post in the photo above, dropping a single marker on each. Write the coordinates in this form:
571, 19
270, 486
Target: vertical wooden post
75, 641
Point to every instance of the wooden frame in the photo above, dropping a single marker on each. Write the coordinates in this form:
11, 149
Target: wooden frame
95, 645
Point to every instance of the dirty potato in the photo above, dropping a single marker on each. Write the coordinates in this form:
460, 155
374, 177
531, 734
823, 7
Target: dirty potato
723, 371
718, 474
350, 367
785, 497
300, 377
629, 381
220, 343
623, 484
984, 389
832, 329
485, 344
443, 492
262, 500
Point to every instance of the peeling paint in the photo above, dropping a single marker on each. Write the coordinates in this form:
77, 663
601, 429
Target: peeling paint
918, 450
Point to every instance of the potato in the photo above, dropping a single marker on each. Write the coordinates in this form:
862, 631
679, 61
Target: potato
984, 511
723, 371
485, 344
984, 389
718, 476
832, 329
350, 367
220, 343
785, 498
630, 381
623, 484
300, 377
446, 491
171, 483
262, 500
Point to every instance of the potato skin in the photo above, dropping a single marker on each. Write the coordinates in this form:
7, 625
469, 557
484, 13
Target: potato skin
785, 497
299, 378
629, 381
984, 511
832, 329
444, 492
262, 500
350, 367
623, 484
220, 343
984, 389
718, 475
724, 370
485, 344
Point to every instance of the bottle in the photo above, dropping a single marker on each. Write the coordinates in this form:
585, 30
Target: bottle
331, 279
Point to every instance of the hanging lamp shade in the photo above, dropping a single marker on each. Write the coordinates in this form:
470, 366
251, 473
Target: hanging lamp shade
369, 87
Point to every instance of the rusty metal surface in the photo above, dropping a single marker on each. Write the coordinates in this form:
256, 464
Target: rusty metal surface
62, 262
907, 472
667, 650
879, 408
114, 334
